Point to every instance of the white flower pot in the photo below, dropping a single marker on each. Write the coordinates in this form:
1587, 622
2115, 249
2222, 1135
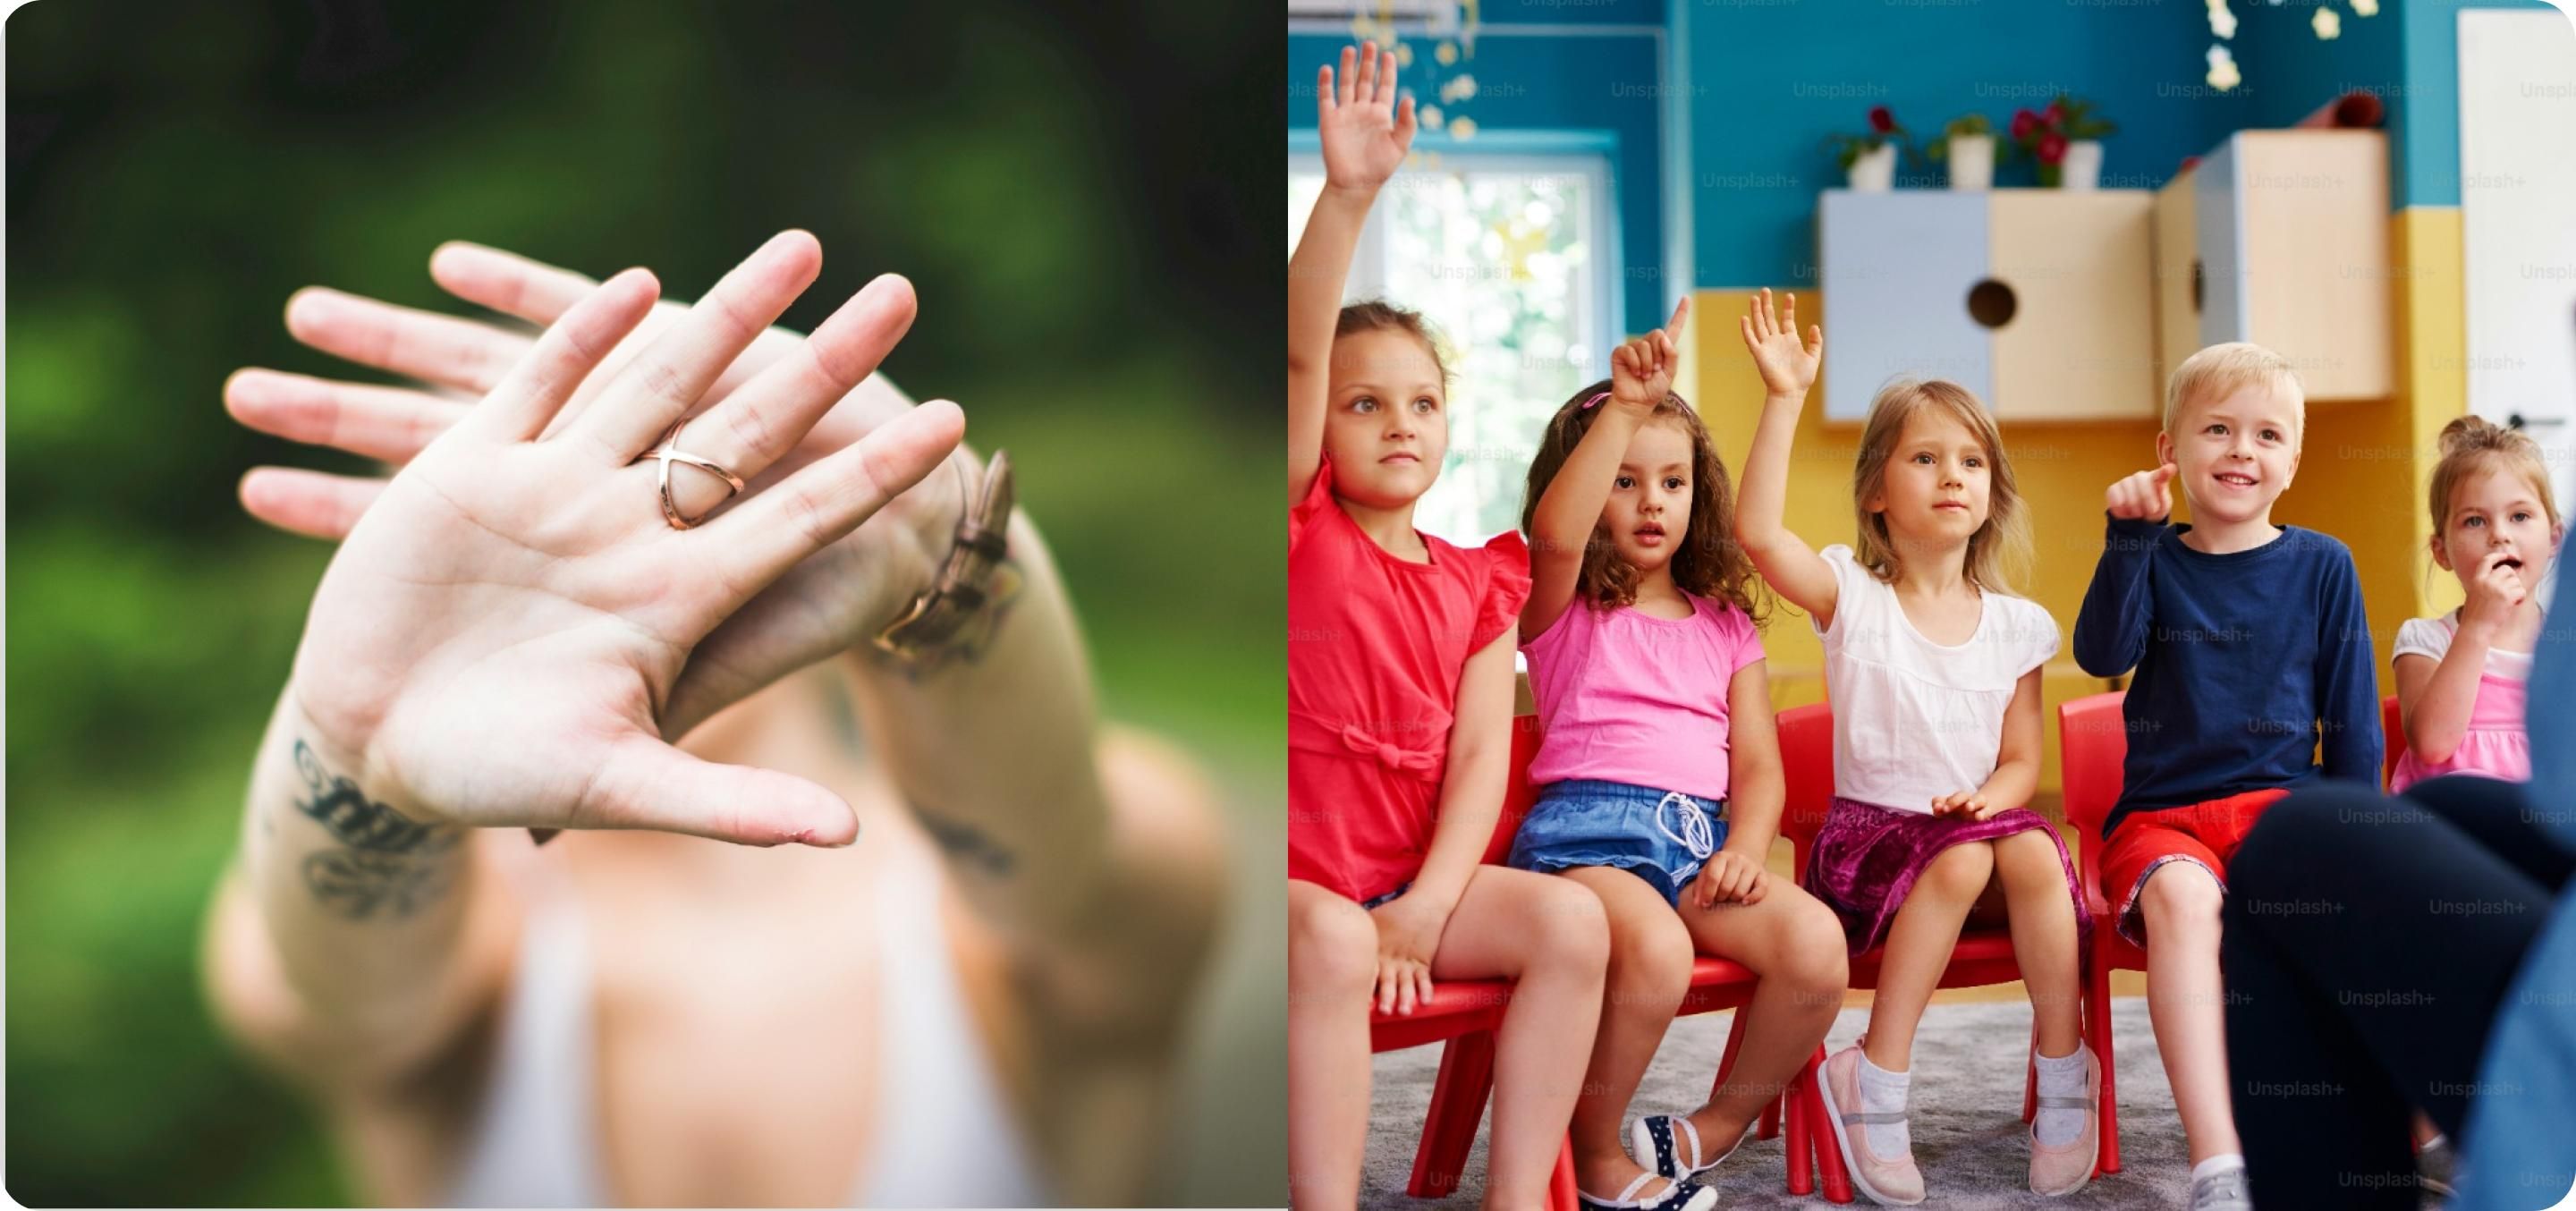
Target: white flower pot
1972, 161
1875, 171
2082, 168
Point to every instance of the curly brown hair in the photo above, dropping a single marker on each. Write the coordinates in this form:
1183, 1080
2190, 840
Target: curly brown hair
1709, 563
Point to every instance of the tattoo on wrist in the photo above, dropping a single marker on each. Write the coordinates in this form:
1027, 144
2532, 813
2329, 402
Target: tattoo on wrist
966, 844
387, 863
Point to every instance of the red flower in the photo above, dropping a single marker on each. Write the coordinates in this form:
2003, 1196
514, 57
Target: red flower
1880, 120
2052, 147
2023, 121
2057, 111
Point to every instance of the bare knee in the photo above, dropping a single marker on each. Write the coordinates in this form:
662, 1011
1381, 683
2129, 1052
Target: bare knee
1814, 956
2181, 903
1332, 947
1960, 872
1650, 961
1568, 930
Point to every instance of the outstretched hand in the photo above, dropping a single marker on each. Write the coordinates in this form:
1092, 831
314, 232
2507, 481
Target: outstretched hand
497, 633
1365, 130
825, 604
1788, 367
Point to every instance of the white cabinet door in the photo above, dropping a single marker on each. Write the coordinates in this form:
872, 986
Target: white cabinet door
2518, 221
1897, 271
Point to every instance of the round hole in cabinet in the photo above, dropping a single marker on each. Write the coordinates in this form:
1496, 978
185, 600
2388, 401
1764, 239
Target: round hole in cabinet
1991, 303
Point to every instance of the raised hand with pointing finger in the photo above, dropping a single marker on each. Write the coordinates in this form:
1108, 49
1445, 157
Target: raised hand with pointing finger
2145, 496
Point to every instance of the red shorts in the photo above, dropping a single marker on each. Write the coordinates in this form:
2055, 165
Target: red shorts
2203, 834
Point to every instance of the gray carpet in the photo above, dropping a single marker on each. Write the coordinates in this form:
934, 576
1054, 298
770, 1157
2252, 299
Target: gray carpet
1968, 1136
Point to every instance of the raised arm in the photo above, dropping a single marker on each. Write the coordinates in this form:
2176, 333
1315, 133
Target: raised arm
2111, 625
1641, 375
1365, 131
1788, 369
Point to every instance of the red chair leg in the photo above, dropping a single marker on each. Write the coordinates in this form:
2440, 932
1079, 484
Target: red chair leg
2097, 1029
1457, 1102
1820, 1129
1560, 1184
1791, 1108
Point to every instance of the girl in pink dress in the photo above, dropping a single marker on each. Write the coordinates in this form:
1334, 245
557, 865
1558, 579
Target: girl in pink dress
2460, 676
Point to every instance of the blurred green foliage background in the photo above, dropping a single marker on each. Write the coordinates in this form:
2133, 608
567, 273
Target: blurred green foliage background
1073, 190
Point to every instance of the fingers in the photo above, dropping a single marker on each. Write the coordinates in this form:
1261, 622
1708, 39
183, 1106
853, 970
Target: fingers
1816, 341
1386, 982
310, 503
1365, 89
464, 354
1350, 74
758, 539
1404, 124
666, 379
1681, 315
765, 418
1760, 887
645, 783
387, 423
1422, 984
1761, 314
1324, 102
519, 407
2163, 475
507, 282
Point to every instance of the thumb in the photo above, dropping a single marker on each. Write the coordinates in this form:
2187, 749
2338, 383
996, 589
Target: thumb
2165, 474
645, 783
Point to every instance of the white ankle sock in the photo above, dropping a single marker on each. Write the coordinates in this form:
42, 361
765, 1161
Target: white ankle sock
2060, 1076
2224, 1160
1882, 1091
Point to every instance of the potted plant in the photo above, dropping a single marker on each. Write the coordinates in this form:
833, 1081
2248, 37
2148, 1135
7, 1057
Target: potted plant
2065, 139
1869, 160
1969, 144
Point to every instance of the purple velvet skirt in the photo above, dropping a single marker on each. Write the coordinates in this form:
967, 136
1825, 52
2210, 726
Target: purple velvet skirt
1866, 858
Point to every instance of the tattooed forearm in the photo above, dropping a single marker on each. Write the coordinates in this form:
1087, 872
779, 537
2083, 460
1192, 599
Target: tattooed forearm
389, 865
967, 845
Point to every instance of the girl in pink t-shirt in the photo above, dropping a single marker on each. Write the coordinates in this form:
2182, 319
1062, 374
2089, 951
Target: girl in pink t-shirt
2460, 677
1659, 771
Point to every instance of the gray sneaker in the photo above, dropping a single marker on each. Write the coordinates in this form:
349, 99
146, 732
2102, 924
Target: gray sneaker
2222, 1191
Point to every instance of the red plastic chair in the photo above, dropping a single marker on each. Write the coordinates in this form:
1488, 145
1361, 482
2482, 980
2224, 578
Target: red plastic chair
2092, 742
1983, 956
1466, 1013
2391, 722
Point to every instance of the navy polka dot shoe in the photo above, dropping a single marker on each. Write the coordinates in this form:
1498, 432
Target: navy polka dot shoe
1653, 1144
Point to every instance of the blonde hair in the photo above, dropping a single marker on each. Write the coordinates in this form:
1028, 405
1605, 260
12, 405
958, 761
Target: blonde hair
2000, 549
2473, 444
2217, 371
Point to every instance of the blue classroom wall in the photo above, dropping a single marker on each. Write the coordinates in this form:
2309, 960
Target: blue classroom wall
1769, 83
1593, 82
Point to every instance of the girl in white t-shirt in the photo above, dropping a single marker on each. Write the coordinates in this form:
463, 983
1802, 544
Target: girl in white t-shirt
1933, 670
2460, 677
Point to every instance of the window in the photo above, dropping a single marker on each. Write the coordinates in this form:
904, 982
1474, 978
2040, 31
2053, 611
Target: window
1510, 258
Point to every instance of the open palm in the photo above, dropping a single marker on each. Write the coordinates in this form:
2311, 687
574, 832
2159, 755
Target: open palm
825, 604
1364, 129
1788, 366
499, 630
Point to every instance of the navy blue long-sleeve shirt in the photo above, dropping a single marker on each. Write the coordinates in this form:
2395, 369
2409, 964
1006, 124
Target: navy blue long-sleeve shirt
2244, 660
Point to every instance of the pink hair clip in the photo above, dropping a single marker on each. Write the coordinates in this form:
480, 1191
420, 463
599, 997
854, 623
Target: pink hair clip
1597, 398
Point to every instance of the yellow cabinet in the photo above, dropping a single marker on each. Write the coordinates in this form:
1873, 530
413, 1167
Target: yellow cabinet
2280, 237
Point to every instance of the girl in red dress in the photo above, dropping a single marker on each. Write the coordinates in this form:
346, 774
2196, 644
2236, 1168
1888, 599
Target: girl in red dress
1400, 690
